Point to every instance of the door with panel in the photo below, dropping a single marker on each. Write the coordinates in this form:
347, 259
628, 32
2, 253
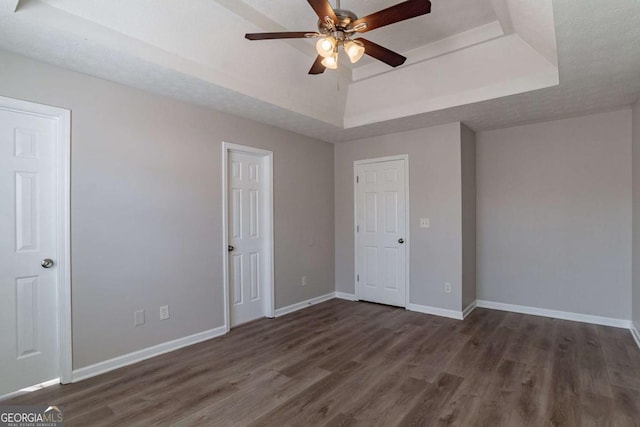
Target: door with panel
381, 269
28, 245
247, 242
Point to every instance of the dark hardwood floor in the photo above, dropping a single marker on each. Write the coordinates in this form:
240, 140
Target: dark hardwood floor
357, 364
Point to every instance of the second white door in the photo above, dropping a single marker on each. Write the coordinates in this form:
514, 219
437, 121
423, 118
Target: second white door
248, 243
381, 235
28, 251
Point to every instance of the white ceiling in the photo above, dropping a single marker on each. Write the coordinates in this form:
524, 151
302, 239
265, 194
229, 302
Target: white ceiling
195, 51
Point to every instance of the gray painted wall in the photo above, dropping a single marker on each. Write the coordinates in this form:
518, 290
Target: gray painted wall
435, 192
468, 161
146, 208
554, 215
636, 216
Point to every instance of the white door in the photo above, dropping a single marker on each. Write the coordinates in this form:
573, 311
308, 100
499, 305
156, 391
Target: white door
381, 232
28, 291
247, 228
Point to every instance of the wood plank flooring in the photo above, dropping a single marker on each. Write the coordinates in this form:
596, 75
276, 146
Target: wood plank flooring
342, 363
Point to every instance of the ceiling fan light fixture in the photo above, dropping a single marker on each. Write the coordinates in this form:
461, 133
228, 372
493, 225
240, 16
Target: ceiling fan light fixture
326, 46
331, 61
336, 27
354, 50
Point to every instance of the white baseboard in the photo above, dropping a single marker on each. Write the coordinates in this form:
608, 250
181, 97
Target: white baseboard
147, 353
467, 311
565, 315
304, 304
345, 296
435, 311
28, 390
635, 332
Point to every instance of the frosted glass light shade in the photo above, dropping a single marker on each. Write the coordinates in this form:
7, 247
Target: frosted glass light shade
331, 62
354, 50
325, 46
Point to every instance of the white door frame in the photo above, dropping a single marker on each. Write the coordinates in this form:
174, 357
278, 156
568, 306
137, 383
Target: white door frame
268, 282
407, 238
62, 119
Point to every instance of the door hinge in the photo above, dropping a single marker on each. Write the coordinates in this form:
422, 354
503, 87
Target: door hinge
357, 228
357, 179
358, 278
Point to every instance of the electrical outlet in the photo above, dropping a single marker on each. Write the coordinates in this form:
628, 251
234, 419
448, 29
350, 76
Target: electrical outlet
447, 287
138, 318
304, 280
164, 312
424, 223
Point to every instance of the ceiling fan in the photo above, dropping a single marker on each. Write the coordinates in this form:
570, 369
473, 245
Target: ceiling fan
336, 27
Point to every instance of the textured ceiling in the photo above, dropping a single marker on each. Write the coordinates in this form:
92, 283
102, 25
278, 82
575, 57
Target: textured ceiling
534, 23
598, 51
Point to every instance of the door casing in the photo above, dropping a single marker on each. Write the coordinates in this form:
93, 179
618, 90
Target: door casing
62, 120
268, 282
405, 158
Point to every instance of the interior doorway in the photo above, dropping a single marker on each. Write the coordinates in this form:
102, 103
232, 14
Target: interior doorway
35, 291
381, 210
248, 233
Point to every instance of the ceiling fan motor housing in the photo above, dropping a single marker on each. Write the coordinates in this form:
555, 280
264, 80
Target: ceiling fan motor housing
345, 18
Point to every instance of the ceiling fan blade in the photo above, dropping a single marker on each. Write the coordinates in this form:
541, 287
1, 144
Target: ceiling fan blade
323, 8
382, 53
405, 10
285, 35
317, 67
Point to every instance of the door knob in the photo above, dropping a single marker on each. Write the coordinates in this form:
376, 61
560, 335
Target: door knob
47, 263
401, 240
231, 248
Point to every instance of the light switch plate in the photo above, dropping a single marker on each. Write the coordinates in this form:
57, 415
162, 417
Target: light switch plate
424, 223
